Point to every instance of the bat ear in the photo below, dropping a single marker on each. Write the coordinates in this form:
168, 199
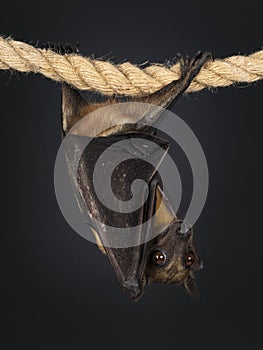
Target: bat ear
191, 287
73, 107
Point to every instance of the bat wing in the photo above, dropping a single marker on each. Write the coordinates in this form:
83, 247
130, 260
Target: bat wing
127, 252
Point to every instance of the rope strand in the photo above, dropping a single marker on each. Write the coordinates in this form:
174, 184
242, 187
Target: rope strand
124, 79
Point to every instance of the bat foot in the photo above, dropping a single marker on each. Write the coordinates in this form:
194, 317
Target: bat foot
61, 49
190, 67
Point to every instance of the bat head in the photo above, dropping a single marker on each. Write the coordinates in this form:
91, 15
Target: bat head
172, 258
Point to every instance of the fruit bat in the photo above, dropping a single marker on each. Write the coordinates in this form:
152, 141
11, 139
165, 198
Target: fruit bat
170, 256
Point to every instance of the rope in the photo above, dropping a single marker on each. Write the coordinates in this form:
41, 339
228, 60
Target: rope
124, 79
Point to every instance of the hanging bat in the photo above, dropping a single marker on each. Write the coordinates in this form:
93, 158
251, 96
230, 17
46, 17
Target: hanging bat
169, 257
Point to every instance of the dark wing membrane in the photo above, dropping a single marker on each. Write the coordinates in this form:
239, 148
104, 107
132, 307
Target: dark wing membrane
129, 263
126, 253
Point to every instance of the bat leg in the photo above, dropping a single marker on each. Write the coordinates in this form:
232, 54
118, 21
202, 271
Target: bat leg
168, 95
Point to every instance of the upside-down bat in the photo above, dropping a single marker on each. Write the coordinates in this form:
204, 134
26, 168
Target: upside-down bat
169, 257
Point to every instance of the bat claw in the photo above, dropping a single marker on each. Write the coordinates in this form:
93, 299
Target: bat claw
195, 64
134, 289
61, 49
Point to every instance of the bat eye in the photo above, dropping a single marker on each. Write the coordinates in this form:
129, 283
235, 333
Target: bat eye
189, 259
159, 258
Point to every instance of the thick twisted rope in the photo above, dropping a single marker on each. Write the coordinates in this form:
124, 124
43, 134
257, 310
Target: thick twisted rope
124, 79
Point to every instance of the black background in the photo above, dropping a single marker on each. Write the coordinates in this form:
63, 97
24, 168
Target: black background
61, 293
